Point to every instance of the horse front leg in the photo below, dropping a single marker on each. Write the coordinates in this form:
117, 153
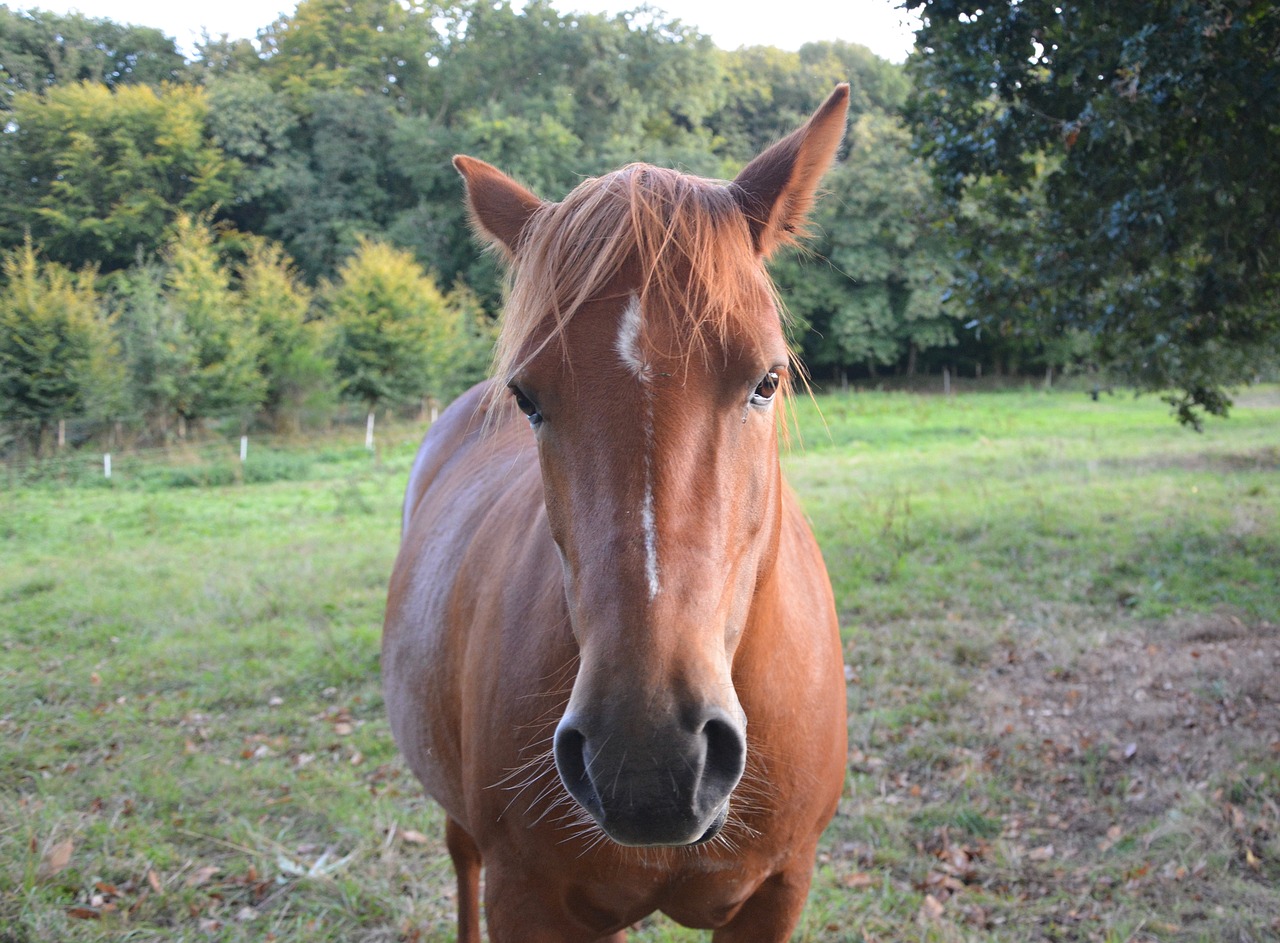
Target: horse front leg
772, 912
466, 864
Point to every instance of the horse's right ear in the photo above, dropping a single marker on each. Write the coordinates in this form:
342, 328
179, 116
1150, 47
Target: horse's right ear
776, 189
499, 206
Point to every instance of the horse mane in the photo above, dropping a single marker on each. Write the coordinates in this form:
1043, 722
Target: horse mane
688, 236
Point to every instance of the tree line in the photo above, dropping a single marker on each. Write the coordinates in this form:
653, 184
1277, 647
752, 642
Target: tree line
271, 225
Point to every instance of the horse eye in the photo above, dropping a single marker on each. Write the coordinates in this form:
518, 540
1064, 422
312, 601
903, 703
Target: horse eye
766, 388
526, 405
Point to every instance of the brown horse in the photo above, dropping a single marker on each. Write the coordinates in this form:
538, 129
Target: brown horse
611, 652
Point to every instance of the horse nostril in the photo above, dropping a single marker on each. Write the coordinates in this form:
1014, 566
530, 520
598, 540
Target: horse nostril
568, 750
726, 754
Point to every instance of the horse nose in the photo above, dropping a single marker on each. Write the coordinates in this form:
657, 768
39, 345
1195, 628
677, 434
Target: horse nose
668, 786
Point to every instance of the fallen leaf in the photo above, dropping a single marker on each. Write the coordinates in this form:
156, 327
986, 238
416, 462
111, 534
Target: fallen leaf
202, 875
83, 913
931, 909
55, 859
414, 838
154, 880
858, 879
1043, 853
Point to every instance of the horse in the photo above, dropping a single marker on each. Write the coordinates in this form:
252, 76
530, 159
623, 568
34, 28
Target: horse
610, 650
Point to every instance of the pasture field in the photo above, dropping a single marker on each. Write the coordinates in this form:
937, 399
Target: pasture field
1063, 643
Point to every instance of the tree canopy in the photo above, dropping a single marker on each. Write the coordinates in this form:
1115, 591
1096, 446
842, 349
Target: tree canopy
1068, 185
1144, 137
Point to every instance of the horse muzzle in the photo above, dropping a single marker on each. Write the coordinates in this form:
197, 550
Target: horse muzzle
669, 786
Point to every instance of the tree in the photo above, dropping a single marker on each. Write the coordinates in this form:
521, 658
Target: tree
341, 184
224, 378
1151, 128
296, 371
393, 331
380, 48
57, 355
770, 91
96, 175
252, 124
159, 352
40, 49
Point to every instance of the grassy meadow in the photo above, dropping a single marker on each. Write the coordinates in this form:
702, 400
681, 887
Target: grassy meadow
1063, 638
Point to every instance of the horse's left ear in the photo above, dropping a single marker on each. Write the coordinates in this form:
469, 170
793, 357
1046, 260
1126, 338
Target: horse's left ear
776, 189
499, 206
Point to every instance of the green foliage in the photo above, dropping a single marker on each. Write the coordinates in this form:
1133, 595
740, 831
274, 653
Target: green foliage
1148, 128
871, 291
373, 47
392, 328
251, 123
340, 184
292, 358
98, 175
57, 354
337, 134
158, 348
769, 92
40, 49
224, 378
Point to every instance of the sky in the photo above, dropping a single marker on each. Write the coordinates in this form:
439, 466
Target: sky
877, 24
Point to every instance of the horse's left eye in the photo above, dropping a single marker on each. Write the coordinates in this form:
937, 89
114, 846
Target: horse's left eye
766, 388
526, 405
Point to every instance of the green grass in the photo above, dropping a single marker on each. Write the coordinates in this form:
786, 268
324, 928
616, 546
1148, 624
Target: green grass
189, 681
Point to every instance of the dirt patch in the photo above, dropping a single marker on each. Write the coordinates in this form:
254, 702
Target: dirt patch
1179, 699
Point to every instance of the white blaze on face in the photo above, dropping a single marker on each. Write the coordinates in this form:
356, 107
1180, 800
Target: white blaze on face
628, 342
631, 353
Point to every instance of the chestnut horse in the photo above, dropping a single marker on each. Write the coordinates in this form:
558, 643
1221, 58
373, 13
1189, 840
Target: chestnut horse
610, 651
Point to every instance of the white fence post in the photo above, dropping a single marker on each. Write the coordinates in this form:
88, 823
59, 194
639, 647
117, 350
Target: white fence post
244, 448
106, 465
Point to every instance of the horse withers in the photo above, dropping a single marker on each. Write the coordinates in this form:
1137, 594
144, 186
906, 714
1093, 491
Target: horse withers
611, 652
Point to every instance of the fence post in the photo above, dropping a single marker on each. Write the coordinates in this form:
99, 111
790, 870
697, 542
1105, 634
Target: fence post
368, 432
106, 465
244, 448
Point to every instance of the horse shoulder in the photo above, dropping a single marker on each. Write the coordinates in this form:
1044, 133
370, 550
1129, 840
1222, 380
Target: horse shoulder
460, 476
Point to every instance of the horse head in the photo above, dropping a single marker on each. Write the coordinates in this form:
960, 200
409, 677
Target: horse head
643, 341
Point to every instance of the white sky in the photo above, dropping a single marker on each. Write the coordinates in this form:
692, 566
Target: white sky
877, 24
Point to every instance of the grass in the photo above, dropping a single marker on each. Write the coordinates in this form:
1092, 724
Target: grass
1061, 620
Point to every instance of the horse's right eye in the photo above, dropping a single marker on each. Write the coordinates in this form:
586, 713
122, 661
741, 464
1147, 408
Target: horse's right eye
526, 405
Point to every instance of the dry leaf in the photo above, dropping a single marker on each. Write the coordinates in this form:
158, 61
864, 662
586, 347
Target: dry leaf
56, 859
858, 879
83, 913
154, 880
414, 838
931, 909
202, 875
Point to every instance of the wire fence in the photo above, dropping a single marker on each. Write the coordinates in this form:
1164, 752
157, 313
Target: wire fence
211, 459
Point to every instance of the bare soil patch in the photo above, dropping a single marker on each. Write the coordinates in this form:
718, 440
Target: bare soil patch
1175, 701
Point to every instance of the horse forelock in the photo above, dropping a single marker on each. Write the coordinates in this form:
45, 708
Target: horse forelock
686, 237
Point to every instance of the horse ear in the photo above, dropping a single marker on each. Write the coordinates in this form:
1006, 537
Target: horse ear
499, 206
776, 189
